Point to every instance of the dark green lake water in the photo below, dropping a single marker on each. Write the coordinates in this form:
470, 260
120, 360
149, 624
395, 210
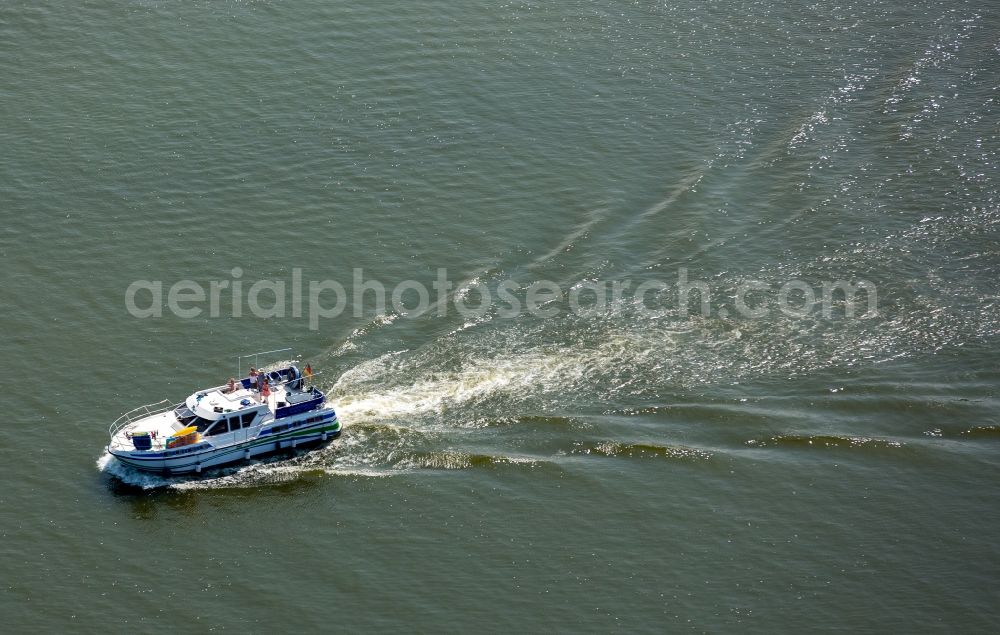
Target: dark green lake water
602, 470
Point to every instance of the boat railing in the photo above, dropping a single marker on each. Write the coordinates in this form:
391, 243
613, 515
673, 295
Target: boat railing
301, 378
138, 413
256, 358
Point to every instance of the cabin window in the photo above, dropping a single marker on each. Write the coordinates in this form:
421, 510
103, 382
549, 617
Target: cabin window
247, 419
221, 427
201, 423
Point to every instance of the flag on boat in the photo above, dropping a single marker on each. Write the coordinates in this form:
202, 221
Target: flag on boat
308, 370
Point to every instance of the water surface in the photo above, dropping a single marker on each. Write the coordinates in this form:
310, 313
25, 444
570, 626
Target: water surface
603, 472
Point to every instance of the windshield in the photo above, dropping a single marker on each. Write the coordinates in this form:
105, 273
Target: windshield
188, 418
184, 415
202, 423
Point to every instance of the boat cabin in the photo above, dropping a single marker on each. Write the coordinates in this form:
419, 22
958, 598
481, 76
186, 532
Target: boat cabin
224, 410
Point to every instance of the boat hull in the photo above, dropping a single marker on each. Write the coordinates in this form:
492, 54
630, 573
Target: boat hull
201, 457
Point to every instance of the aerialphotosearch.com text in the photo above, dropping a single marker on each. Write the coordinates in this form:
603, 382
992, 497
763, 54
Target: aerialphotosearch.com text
318, 300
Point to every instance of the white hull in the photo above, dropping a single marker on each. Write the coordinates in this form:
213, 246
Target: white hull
203, 456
